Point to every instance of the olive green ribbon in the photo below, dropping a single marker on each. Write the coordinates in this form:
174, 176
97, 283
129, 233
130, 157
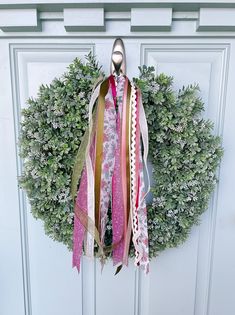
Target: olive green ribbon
80, 157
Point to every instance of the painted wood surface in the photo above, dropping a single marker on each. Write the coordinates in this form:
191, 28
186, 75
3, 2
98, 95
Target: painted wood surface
194, 42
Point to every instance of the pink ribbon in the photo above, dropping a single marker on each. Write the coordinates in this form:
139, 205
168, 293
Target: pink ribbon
113, 180
81, 201
118, 206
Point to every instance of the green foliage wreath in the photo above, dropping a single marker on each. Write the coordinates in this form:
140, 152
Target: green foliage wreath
183, 151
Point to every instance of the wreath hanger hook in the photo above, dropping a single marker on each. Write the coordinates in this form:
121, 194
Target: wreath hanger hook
118, 59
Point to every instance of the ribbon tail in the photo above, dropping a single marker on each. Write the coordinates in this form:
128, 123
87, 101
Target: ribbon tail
79, 230
112, 166
89, 244
79, 161
77, 249
141, 211
120, 198
143, 258
118, 269
100, 150
144, 134
82, 198
108, 157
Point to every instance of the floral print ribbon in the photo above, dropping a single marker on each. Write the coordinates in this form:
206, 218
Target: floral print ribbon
113, 176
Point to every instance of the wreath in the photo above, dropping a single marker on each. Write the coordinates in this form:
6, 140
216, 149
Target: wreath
184, 153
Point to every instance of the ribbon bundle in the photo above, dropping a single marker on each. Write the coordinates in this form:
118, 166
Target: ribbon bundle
111, 163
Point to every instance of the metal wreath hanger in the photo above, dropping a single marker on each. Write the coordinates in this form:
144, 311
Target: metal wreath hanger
118, 60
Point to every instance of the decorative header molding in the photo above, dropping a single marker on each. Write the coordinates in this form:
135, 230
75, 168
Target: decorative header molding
214, 19
15, 20
132, 3
84, 19
92, 16
151, 19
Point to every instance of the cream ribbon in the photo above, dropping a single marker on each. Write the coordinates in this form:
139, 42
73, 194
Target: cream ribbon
89, 244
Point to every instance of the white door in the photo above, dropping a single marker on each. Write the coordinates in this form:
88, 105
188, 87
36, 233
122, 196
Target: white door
36, 276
